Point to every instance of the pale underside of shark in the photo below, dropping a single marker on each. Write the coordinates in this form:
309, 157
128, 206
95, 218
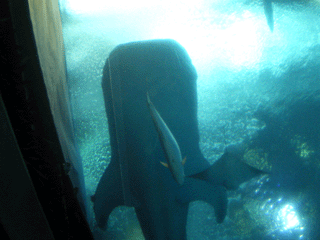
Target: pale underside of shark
161, 204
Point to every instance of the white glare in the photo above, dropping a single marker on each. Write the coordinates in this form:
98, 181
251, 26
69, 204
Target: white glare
213, 36
288, 217
98, 6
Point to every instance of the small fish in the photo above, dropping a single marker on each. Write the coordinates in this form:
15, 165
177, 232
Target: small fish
268, 11
169, 145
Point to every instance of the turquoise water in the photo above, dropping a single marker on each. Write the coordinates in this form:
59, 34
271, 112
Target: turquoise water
243, 70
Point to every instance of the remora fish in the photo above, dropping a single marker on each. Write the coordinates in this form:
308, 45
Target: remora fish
268, 11
169, 145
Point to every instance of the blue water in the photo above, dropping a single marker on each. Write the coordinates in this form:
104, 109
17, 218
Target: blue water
251, 82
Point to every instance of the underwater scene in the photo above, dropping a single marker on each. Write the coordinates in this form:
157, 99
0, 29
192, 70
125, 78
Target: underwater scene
247, 93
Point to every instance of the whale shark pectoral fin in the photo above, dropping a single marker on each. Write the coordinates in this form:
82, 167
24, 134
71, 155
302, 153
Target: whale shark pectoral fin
184, 160
109, 194
165, 164
234, 171
229, 171
216, 196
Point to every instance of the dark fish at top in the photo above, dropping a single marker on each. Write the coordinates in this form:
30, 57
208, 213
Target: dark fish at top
268, 11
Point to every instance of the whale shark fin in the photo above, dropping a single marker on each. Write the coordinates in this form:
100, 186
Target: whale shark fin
109, 194
212, 184
216, 196
229, 171
233, 171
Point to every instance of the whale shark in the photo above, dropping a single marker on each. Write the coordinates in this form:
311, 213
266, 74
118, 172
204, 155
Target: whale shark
135, 176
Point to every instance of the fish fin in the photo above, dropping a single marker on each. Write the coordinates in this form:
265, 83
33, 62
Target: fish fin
229, 171
165, 164
268, 11
216, 196
211, 184
109, 194
184, 160
235, 171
